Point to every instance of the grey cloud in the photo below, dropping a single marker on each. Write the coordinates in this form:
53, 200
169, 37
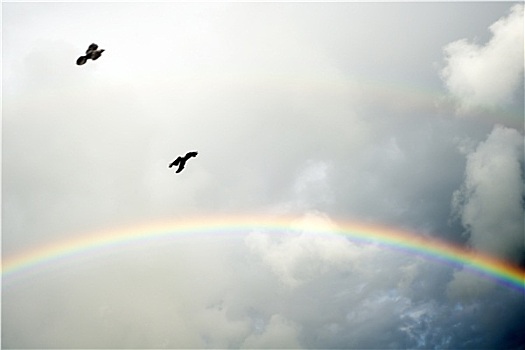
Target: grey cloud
327, 111
209, 291
490, 201
278, 333
489, 204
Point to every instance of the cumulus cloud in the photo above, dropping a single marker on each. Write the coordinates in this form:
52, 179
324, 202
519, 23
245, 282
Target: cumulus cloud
297, 258
487, 75
292, 110
490, 202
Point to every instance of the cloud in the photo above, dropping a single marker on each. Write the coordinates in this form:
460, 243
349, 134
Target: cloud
490, 201
487, 75
299, 257
294, 109
277, 333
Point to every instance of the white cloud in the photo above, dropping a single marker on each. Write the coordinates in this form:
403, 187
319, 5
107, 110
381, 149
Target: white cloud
297, 258
486, 76
489, 203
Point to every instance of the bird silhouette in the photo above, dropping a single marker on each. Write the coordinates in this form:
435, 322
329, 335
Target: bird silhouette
181, 161
91, 53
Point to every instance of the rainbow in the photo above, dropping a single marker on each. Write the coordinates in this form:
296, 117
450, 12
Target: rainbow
419, 245
398, 94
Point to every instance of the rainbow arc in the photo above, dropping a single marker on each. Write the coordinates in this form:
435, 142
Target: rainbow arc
476, 262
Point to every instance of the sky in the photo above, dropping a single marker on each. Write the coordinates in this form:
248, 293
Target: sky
408, 116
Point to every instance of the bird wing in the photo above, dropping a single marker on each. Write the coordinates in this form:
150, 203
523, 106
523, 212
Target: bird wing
175, 162
181, 166
92, 47
96, 54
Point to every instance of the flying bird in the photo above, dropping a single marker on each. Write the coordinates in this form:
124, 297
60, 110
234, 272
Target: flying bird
181, 161
93, 52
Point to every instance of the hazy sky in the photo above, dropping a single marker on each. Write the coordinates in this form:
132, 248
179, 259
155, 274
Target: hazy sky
405, 115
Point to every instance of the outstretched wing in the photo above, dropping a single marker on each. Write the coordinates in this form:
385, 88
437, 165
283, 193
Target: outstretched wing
96, 54
181, 166
92, 48
175, 162
191, 154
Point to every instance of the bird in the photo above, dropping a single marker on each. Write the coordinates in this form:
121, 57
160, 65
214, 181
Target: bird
93, 52
181, 161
